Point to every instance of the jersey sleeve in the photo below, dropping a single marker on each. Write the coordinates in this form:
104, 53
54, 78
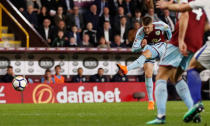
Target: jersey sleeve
137, 42
164, 27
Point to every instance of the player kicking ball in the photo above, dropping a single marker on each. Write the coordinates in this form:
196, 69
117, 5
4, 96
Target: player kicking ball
186, 40
201, 60
150, 42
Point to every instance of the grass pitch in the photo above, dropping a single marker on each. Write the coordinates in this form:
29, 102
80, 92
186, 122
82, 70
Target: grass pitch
103, 114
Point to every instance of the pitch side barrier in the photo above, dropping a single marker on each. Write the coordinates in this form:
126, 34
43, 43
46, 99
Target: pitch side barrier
72, 93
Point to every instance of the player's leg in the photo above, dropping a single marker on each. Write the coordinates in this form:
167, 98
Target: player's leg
148, 69
182, 88
193, 73
185, 95
161, 94
193, 76
194, 80
148, 53
172, 58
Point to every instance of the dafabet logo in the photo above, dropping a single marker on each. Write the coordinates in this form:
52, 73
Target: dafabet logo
43, 93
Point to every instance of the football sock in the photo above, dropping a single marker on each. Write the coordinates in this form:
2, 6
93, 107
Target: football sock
161, 96
194, 83
184, 93
149, 86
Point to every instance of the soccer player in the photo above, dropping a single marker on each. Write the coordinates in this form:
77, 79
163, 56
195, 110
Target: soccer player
150, 42
186, 40
200, 61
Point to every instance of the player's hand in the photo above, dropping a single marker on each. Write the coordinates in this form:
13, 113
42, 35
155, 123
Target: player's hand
163, 4
183, 48
143, 43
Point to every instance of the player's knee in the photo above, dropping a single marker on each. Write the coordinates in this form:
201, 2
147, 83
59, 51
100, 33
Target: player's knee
194, 64
148, 75
161, 76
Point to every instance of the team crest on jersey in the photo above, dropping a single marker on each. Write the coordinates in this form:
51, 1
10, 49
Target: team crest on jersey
157, 33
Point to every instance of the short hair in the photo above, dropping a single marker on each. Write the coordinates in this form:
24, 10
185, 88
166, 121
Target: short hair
9, 67
100, 68
73, 26
137, 11
47, 70
146, 20
57, 66
80, 68
123, 17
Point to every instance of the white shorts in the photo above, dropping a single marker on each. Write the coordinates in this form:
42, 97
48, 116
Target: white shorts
203, 55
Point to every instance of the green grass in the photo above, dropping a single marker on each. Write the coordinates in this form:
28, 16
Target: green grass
104, 114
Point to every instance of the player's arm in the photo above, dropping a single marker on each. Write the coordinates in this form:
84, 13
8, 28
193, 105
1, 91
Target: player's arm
207, 26
138, 40
174, 7
183, 24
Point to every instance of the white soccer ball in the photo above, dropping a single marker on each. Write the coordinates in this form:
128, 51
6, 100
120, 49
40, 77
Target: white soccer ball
19, 83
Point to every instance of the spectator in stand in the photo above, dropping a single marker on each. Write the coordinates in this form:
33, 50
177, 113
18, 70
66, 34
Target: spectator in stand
120, 3
106, 31
101, 4
152, 14
117, 42
105, 17
9, 76
99, 77
128, 7
74, 33
43, 15
61, 27
59, 41
137, 17
118, 16
50, 4
67, 5
79, 77
85, 41
141, 5
48, 79
35, 3
113, 6
31, 16
168, 19
92, 33
46, 31
122, 29
132, 34
75, 19
58, 77
92, 16
103, 43
72, 42
120, 77
19, 4
59, 15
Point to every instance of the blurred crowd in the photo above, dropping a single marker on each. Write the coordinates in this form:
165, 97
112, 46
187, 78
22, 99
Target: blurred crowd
57, 78
102, 24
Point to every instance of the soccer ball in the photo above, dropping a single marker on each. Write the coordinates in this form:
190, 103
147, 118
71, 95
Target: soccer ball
19, 83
